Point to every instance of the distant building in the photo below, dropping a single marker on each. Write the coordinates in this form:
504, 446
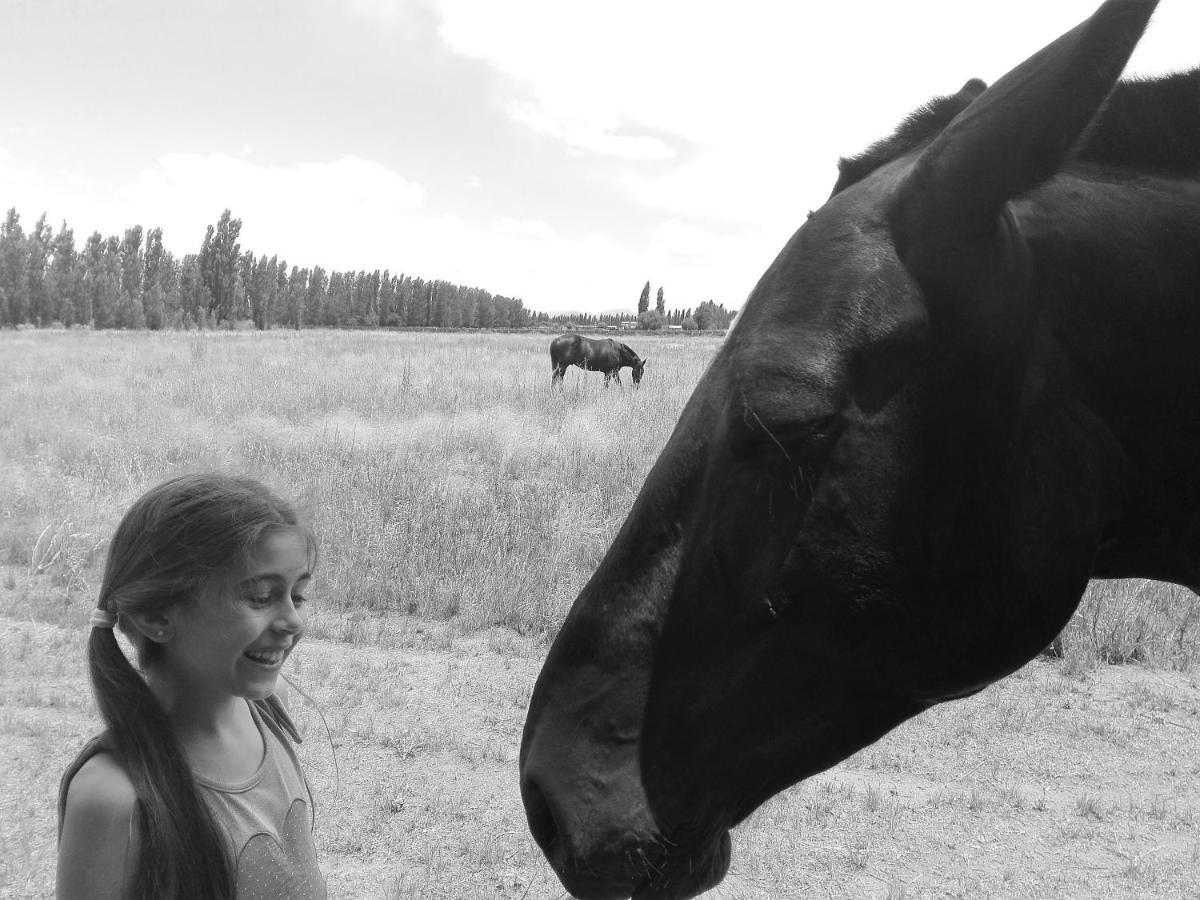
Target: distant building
674, 328
629, 325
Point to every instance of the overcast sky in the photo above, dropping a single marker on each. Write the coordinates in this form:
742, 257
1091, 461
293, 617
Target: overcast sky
560, 151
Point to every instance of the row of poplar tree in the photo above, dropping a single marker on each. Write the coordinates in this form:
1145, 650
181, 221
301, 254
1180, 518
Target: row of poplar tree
135, 282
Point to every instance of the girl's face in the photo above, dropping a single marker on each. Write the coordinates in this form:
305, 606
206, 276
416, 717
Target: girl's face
234, 643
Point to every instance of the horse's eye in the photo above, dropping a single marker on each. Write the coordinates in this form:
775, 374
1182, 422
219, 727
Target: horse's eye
789, 442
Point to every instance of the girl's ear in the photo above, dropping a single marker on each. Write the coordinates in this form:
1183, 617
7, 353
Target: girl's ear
156, 626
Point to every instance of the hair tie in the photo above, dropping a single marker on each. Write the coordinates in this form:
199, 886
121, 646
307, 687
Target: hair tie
102, 619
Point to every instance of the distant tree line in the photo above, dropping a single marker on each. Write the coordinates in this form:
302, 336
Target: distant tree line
708, 315
135, 282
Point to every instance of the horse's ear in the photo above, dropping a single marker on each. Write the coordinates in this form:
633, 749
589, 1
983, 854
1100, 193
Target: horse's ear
1014, 136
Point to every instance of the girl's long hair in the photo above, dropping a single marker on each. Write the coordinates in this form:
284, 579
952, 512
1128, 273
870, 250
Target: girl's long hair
178, 543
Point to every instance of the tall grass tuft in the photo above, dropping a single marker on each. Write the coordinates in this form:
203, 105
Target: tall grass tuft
443, 474
1134, 620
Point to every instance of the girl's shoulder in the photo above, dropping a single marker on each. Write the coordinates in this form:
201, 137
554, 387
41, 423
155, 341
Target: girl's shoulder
96, 787
97, 829
101, 780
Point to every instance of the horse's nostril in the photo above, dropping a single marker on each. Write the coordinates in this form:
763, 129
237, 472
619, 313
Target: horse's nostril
541, 818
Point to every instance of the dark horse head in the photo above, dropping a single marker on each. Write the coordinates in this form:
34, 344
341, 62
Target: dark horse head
966, 386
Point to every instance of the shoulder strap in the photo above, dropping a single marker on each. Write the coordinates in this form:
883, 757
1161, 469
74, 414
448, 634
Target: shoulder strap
272, 708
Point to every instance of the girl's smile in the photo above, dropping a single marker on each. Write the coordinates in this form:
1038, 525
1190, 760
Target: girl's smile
269, 659
235, 644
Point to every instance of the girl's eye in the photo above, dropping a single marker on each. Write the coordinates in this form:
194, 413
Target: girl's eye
297, 599
259, 599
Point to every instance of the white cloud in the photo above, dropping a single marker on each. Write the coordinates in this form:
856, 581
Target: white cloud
765, 97
356, 214
191, 179
522, 229
584, 136
770, 93
384, 11
675, 238
285, 204
552, 271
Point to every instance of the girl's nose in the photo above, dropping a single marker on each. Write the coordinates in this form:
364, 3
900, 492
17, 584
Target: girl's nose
290, 618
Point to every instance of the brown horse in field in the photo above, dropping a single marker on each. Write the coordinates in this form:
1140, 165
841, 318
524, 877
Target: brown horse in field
966, 386
593, 354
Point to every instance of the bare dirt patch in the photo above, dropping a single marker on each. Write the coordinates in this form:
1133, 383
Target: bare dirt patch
1044, 785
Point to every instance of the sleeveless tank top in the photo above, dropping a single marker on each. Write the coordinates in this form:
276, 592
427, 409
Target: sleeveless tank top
268, 818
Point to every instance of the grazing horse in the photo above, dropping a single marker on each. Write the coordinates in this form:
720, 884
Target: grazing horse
966, 386
605, 355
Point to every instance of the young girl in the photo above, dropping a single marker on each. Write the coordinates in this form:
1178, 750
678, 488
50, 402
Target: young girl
194, 790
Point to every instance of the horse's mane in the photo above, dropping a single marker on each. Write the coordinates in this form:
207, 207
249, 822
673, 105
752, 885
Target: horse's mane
1147, 125
1151, 125
918, 127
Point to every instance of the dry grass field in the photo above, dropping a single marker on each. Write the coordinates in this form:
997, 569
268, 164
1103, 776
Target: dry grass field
461, 504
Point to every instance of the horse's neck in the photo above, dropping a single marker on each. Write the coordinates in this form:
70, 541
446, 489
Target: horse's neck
1117, 277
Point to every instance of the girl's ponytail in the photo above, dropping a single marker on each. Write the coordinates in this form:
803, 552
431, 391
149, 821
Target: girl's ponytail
180, 850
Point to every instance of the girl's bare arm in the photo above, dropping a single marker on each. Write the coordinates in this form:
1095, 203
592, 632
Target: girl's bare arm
96, 851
